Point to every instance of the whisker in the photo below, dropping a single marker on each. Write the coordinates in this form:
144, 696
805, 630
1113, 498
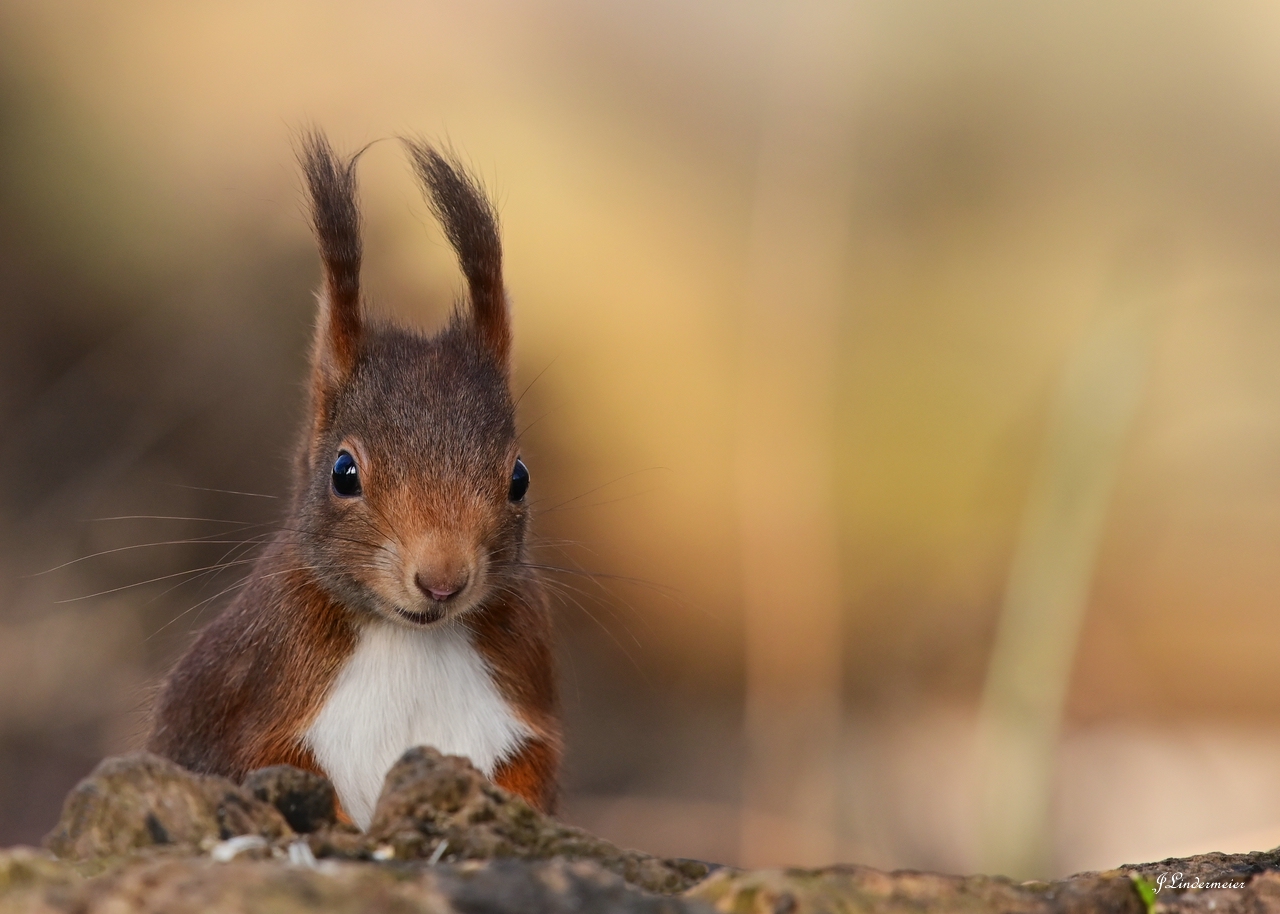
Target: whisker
603, 486
225, 590
565, 590
669, 593
555, 409
178, 485
597, 504
322, 534
205, 520
582, 572
212, 571
163, 577
85, 558
204, 602
241, 583
537, 378
604, 628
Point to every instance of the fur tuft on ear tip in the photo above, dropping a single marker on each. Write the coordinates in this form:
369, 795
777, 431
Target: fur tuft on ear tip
471, 225
335, 218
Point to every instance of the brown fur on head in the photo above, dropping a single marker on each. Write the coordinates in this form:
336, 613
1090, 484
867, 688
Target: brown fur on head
428, 421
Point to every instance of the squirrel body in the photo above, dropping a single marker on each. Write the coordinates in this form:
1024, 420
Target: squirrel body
395, 607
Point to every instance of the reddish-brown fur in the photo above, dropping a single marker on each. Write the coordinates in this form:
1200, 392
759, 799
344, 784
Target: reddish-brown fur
430, 422
512, 636
531, 773
245, 691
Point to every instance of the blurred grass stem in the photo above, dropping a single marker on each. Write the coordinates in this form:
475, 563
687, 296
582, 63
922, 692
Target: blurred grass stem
787, 516
1048, 589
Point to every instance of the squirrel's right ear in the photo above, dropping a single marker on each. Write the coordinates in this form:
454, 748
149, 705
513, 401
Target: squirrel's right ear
335, 217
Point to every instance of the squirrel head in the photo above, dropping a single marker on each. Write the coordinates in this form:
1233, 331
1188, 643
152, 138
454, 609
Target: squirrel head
411, 499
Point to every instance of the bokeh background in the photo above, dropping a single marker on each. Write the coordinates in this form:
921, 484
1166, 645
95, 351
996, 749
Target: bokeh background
905, 373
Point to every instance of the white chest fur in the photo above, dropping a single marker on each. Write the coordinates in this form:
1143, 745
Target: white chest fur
403, 688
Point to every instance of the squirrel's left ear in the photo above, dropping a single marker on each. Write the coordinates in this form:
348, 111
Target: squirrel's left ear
335, 218
471, 225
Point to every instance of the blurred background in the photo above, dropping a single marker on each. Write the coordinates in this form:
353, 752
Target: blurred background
905, 372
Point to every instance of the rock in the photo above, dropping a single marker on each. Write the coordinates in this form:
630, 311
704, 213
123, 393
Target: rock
136, 835
1211, 867
25, 867
866, 890
142, 800
307, 801
428, 798
175, 885
552, 886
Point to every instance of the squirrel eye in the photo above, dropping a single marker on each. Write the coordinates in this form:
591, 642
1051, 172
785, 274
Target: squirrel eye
346, 475
519, 481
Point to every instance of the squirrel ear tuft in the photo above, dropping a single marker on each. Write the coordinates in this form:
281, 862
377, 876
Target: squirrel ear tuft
471, 225
335, 217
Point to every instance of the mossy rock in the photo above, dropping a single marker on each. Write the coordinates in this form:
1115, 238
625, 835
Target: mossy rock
136, 834
141, 801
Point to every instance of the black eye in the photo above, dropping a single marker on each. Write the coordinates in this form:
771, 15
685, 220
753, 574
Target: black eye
346, 475
519, 481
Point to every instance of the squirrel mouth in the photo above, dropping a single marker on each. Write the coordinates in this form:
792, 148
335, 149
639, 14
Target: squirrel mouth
431, 614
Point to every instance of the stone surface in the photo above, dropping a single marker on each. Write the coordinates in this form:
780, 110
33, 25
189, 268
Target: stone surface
175, 885
141, 834
1211, 866
429, 798
23, 868
143, 800
307, 801
869, 891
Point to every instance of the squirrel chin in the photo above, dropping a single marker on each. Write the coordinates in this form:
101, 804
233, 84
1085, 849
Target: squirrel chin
430, 616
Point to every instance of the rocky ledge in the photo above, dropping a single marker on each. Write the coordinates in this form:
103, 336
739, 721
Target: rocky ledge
142, 834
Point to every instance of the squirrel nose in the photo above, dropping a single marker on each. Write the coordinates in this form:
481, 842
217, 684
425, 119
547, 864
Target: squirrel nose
438, 591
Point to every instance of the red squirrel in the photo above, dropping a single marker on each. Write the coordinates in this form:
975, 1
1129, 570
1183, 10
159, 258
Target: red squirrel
395, 606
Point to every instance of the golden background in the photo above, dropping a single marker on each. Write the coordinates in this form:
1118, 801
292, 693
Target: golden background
906, 370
